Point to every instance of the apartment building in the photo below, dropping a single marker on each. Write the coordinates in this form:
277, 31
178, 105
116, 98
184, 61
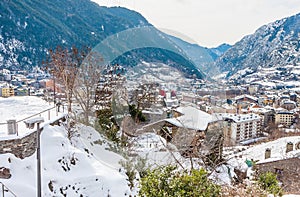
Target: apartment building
242, 127
7, 92
285, 118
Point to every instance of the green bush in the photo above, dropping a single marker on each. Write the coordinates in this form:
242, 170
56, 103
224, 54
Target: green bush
107, 124
165, 181
133, 166
268, 182
136, 114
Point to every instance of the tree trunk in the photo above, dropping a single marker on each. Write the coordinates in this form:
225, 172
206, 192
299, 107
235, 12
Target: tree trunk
69, 99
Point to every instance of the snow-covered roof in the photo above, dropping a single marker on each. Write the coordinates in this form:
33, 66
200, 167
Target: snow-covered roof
246, 96
281, 110
288, 101
260, 109
192, 118
4, 84
241, 117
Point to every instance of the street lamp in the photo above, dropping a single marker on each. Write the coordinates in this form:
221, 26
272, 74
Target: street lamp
30, 124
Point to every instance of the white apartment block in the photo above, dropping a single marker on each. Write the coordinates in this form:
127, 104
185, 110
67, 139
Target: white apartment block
242, 127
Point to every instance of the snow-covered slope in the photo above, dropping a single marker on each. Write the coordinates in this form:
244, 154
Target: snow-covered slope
257, 152
83, 168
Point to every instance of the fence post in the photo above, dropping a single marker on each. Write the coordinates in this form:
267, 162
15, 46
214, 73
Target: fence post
11, 127
6, 189
2, 189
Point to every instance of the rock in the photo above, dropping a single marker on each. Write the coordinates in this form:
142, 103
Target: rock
4, 173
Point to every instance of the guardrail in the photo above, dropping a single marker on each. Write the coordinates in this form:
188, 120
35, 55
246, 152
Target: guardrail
13, 125
5, 189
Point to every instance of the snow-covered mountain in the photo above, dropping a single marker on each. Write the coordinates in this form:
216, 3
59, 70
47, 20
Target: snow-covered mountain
201, 56
274, 44
28, 29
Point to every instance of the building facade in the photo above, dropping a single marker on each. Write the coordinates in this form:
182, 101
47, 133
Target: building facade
7, 92
285, 118
242, 127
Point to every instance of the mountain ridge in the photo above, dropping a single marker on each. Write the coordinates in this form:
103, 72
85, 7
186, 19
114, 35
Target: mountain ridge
30, 28
201, 56
276, 43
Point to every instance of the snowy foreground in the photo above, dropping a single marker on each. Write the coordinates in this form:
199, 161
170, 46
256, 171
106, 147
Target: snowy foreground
85, 166
68, 169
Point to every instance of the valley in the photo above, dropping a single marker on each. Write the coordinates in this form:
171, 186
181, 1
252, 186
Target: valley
136, 101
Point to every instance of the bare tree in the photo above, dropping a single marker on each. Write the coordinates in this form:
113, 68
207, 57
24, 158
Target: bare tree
109, 81
144, 96
86, 83
64, 64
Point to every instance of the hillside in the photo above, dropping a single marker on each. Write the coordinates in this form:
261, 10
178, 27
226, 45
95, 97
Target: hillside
30, 28
201, 56
68, 169
274, 44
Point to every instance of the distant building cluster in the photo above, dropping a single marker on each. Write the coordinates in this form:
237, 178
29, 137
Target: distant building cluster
246, 113
24, 83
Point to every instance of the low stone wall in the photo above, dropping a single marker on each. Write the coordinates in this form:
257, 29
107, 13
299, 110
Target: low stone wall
24, 146
21, 148
287, 171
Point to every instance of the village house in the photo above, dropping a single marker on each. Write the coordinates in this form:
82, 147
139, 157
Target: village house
267, 114
288, 104
191, 130
187, 130
246, 98
7, 91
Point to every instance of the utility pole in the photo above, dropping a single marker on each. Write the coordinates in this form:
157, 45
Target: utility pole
38, 157
30, 124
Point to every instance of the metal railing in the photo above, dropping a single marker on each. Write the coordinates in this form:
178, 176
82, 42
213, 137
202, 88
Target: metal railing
6, 190
36, 114
39, 114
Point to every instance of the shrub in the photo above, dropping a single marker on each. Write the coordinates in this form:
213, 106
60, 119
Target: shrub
268, 182
165, 181
133, 166
107, 124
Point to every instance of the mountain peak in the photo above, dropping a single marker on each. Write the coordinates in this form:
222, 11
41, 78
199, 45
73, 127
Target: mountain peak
273, 44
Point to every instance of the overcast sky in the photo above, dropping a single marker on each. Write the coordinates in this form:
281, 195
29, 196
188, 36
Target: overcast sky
210, 22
